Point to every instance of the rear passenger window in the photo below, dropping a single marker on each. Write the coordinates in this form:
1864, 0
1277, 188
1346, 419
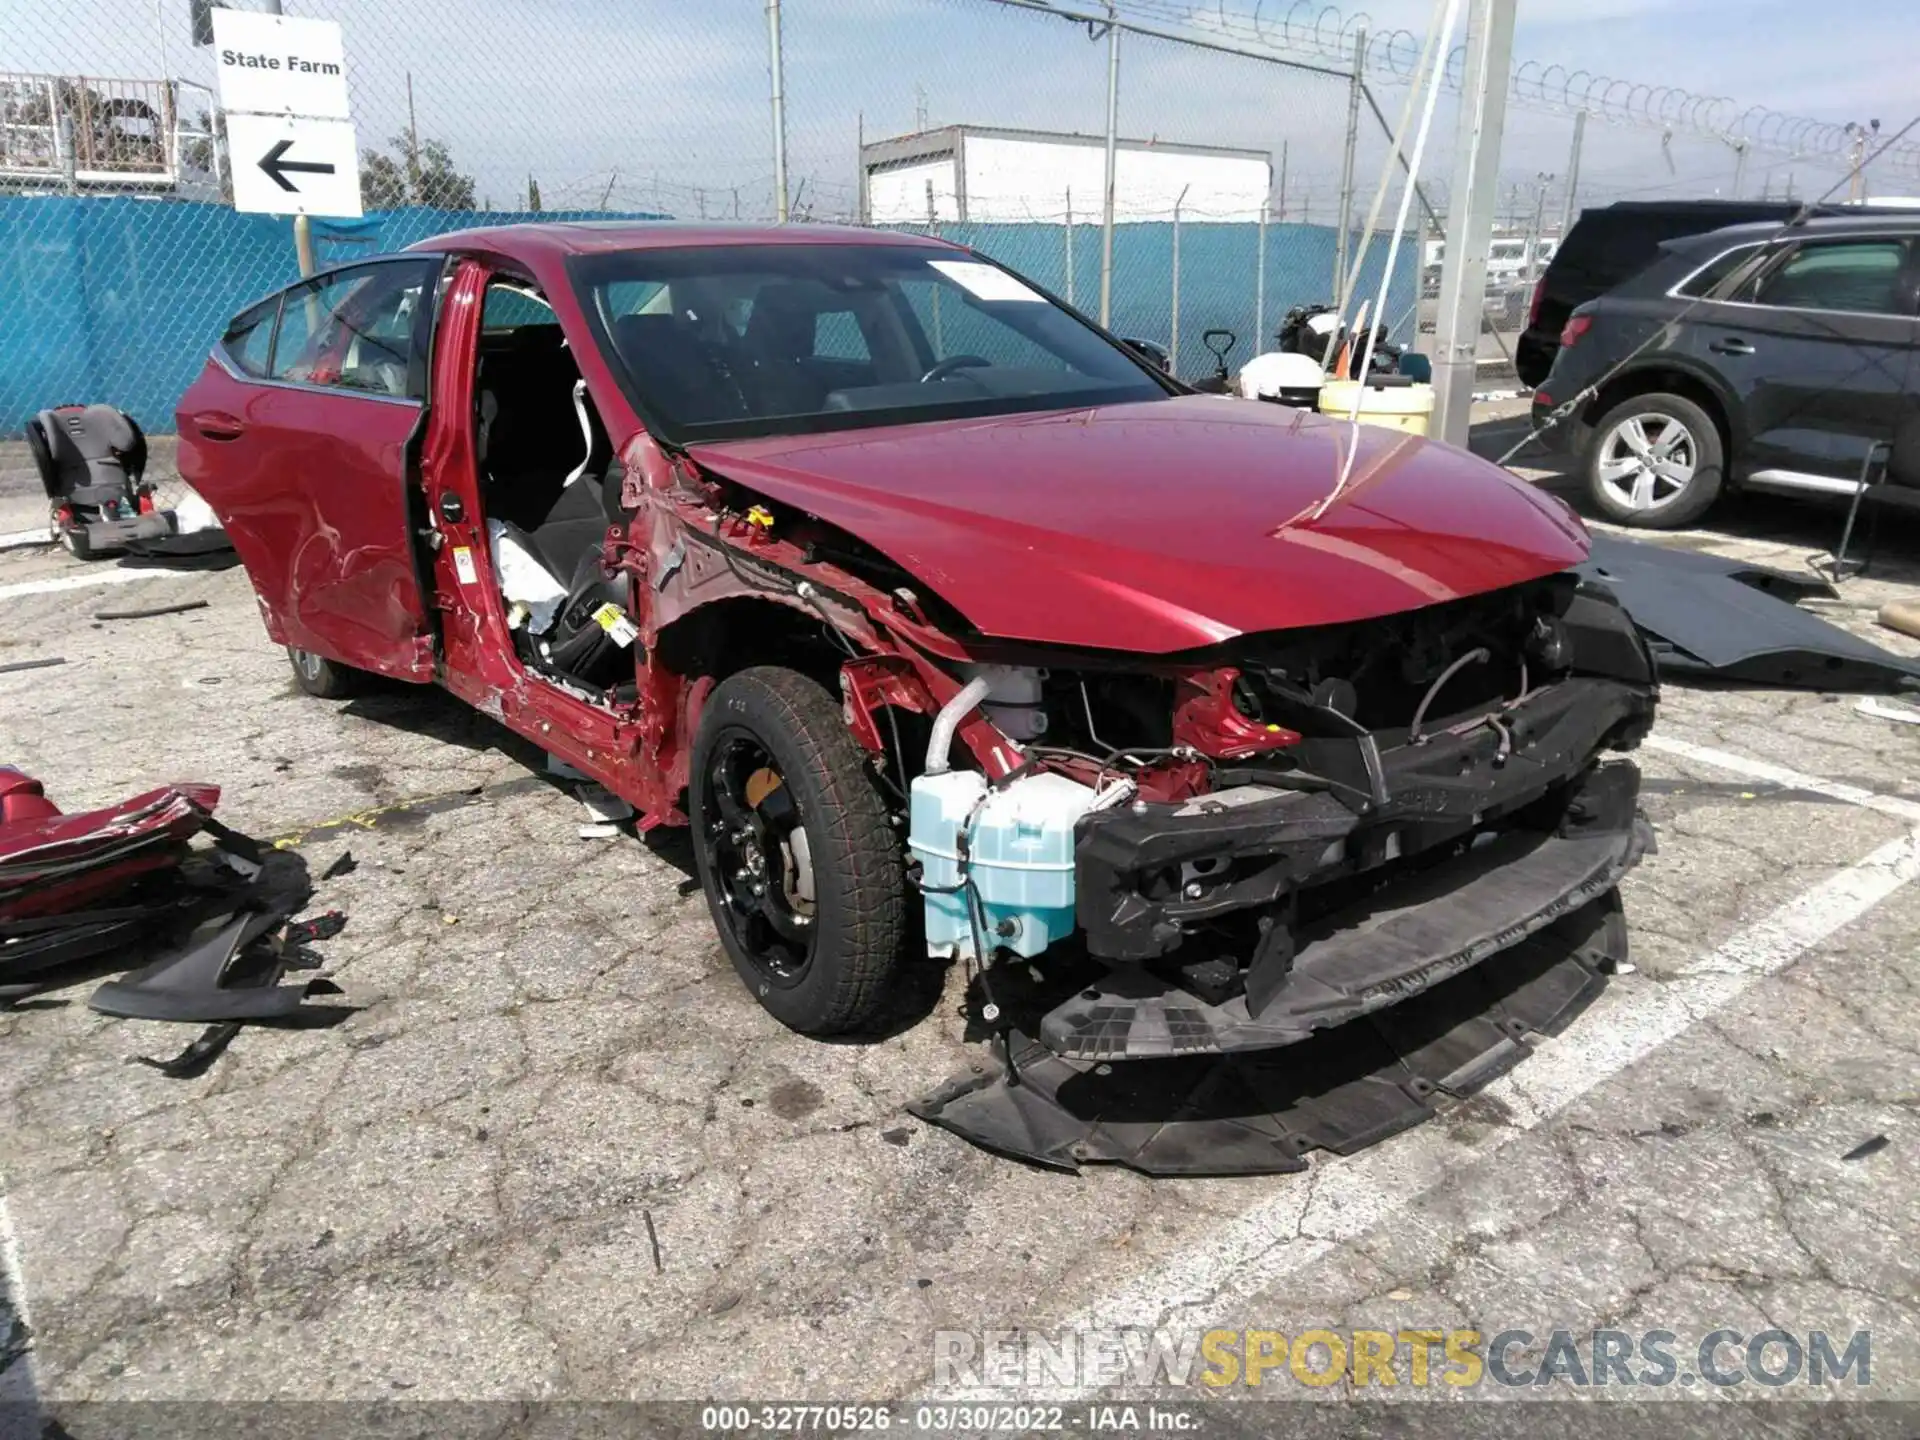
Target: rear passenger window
1716, 270
510, 306
1858, 276
249, 339
353, 330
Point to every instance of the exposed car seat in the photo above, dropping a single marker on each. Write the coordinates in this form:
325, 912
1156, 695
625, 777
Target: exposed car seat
686, 375
526, 435
556, 564
780, 338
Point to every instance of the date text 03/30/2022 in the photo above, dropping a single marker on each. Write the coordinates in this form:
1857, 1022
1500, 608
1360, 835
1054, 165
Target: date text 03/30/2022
950, 1419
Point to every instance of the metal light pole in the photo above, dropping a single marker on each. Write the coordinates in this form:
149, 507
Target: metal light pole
1173, 349
1472, 197
1070, 245
1343, 224
1260, 280
779, 114
1113, 145
1569, 207
1540, 183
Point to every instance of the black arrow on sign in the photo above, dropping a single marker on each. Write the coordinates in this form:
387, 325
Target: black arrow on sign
278, 169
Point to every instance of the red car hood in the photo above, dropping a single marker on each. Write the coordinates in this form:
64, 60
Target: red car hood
1165, 525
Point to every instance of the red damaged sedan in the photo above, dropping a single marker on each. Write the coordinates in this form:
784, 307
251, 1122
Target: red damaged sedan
1265, 756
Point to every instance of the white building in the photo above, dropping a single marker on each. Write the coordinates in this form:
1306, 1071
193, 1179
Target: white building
977, 172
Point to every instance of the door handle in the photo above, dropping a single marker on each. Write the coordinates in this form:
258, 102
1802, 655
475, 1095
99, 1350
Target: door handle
218, 425
1731, 345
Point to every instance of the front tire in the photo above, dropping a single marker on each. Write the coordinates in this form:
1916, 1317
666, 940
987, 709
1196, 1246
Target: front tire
1655, 462
325, 679
804, 876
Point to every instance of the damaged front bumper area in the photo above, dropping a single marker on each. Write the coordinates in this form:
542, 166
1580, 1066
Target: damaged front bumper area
1400, 940
1280, 969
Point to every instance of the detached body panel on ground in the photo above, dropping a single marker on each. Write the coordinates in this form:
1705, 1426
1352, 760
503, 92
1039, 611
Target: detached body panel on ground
782, 533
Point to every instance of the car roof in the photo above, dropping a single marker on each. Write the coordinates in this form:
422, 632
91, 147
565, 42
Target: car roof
1874, 222
553, 238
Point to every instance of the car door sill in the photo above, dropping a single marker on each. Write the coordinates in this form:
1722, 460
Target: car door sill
1802, 481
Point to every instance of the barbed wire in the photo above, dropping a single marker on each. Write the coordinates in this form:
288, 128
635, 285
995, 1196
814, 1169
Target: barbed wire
1304, 29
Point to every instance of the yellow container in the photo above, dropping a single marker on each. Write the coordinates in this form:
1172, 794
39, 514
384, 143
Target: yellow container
1397, 407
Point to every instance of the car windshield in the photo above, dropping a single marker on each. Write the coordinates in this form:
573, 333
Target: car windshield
727, 341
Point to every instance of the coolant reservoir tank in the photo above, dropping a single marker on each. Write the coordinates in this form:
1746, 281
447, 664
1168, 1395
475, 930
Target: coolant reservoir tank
1019, 858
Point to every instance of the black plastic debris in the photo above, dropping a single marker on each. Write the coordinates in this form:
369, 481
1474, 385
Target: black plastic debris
199, 914
147, 612
1260, 1112
1868, 1147
1712, 618
229, 966
321, 927
199, 1055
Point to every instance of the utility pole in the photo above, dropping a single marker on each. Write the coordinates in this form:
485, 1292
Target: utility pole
1069, 245
779, 113
1282, 217
1343, 224
1260, 276
1471, 199
1569, 206
1540, 183
1857, 179
1113, 145
413, 146
1739, 167
1173, 349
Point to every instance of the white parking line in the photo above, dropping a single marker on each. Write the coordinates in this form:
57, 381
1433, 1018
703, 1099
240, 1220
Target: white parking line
17, 1384
82, 582
1305, 1220
14, 538
1765, 770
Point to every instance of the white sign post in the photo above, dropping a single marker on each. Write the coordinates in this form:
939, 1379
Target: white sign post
290, 138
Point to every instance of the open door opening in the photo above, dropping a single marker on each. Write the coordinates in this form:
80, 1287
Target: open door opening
549, 486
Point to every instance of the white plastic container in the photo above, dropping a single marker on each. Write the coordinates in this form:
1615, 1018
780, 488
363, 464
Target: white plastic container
1395, 406
1020, 858
1284, 377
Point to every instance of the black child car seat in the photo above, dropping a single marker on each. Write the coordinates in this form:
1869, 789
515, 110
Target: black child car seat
91, 460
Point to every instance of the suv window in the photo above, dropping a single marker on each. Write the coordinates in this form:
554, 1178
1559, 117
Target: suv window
1709, 276
249, 339
353, 330
1860, 276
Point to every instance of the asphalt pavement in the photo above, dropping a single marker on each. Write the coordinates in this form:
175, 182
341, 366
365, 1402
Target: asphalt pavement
558, 1152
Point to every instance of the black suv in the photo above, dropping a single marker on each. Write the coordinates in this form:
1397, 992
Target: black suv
1778, 357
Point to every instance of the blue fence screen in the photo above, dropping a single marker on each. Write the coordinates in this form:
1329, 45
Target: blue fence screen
118, 299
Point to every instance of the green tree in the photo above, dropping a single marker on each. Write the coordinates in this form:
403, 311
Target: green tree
407, 176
